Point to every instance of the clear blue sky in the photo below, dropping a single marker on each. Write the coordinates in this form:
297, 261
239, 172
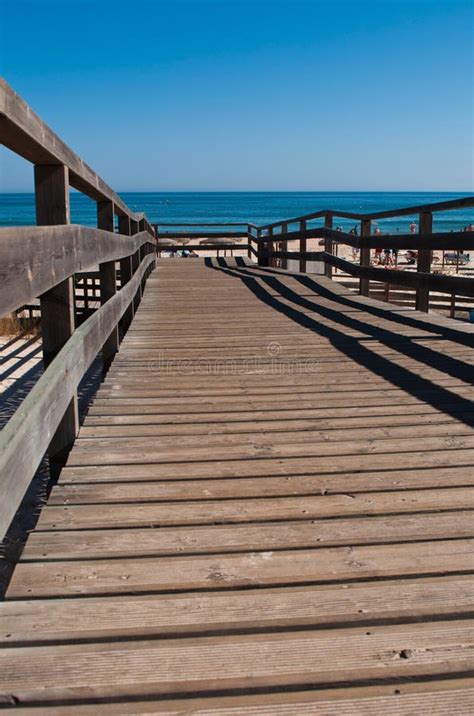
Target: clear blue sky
249, 94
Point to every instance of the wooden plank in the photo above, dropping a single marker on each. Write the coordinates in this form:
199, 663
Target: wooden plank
153, 539
70, 620
139, 451
93, 445
447, 696
218, 571
48, 674
77, 492
255, 510
330, 465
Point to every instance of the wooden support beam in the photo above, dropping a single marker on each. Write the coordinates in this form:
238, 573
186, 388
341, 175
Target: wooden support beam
125, 273
284, 245
271, 247
108, 279
424, 262
57, 304
365, 229
138, 295
328, 244
303, 248
249, 238
262, 260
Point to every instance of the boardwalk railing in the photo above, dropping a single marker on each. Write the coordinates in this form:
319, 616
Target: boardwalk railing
270, 242
41, 262
425, 241
224, 237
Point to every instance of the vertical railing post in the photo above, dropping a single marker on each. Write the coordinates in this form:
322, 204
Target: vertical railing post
108, 279
284, 246
134, 228
424, 262
249, 241
328, 244
57, 304
364, 283
271, 247
261, 246
303, 246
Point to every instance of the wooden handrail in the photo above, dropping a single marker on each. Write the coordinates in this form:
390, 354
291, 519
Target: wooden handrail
455, 240
461, 203
27, 435
34, 259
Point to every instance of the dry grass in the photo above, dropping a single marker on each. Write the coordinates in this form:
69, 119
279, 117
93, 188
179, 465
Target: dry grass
14, 325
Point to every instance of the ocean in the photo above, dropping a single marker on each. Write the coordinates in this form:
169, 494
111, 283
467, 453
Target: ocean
254, 207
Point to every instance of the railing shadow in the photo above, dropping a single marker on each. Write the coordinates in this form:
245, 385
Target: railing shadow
423, 389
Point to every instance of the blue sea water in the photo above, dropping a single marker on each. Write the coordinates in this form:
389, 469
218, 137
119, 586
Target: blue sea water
254, 207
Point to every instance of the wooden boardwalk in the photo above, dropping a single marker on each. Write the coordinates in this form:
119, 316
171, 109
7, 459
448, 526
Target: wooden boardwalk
268, 510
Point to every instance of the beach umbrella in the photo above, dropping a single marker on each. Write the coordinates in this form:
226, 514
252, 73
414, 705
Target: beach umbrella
166, 242
216, 242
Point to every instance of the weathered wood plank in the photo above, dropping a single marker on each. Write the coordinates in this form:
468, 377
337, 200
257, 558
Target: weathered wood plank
139, 514
91, 619
77, 492
440, 698
36, 258
182, 666
150, 539
225, 571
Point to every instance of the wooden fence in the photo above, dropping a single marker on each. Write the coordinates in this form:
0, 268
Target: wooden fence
269, 243
41, 262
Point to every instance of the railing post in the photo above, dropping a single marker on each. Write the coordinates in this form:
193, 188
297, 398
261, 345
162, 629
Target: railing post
284, 246
364, 283
108, 279
57, 304
262, 260
125, 272
271, 247
138, 296
303, 248
424, 262
249, 241
134, 228
328, 244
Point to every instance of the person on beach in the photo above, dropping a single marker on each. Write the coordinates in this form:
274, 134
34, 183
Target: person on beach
378, 252
354, 249
412, 228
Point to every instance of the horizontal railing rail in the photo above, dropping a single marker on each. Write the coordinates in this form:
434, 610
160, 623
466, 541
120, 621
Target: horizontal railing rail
449, 205
35, 259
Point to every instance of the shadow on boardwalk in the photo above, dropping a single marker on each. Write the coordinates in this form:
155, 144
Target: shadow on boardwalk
268, 282
21, 367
